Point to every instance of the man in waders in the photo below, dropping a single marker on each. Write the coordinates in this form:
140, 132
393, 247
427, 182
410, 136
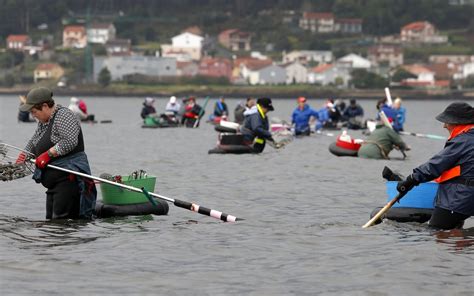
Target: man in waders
255, 128
380, 142
58, 141
452, 168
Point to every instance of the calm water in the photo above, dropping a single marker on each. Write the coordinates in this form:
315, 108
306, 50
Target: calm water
303, 207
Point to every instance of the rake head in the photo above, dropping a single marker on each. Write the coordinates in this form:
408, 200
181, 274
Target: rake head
9, 169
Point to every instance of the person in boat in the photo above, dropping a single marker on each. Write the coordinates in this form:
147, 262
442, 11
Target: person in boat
220, 108
171, 111
240, 110
255, 129
148, 108
382, 105
24, 116
173, 106
58, 141
79, 108
192, 112
301, 117
400, 113
452, 168
353, 115
381, 142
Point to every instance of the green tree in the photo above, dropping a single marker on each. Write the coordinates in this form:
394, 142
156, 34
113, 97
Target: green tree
104, 77
401, 74
364, 79
9, 80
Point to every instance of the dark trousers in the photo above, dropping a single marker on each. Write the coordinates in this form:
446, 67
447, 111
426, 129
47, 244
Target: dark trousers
446, 219
63, 200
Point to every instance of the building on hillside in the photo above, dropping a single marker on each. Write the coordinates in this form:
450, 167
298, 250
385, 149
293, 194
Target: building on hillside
119, 47
308, 56
424, 77
193, 30
464, 71
18, 42
457, 59
100, 33
235, 40
215, 67
318, 22
186, 43
47, 71
385, 54
329, 74
187, 69
444, 71
74, 37
121, 66
348, 25
354, 61
421, 32
264, 75
295, 72
241, 65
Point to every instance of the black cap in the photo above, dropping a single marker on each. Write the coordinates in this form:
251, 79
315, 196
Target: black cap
36, 96
457, 113
352, 101
266, 103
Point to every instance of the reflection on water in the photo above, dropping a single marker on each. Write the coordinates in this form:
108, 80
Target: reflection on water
457, 239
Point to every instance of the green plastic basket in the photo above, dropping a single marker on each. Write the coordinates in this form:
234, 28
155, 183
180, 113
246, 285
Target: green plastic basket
113, 195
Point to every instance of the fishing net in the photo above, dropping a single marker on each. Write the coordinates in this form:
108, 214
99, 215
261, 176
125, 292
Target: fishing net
9, 169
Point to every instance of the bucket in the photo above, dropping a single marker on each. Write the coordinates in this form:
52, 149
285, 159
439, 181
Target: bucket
421, 196
113, 195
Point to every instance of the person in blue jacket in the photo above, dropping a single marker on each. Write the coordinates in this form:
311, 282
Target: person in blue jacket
353, 114
453, 169
401, 114
390, 112
255, 128
301, 116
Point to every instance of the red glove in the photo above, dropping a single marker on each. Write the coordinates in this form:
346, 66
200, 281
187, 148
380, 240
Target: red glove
21, 158
42, 160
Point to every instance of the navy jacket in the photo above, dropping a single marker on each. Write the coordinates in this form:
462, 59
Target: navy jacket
301, 117
452, 196
255, 126
353, 111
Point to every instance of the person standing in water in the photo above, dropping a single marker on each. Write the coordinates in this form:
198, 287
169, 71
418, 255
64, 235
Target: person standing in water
58, 141
452, 168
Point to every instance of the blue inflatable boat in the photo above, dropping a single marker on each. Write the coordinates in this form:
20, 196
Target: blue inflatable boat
416, 206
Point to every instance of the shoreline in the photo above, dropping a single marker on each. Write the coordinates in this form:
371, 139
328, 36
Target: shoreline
246, 91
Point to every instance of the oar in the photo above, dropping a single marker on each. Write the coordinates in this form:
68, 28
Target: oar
201, 112
435, 137
383, 210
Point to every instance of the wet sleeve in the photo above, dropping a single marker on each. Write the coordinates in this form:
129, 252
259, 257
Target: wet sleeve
443, 161
258, 128
397, 140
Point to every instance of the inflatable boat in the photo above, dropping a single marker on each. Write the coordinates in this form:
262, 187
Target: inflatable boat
345, 146
160, 122
416, 206
118, 202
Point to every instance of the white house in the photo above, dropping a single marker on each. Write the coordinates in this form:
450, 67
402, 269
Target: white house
100, 33
264, 74
307, 56
355, 61
327, 74
187, 43
467, 70
295, 72
424, 76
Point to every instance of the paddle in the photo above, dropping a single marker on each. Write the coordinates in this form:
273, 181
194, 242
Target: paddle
384, 210
179, 203
389, 175
435, 137
201, 112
